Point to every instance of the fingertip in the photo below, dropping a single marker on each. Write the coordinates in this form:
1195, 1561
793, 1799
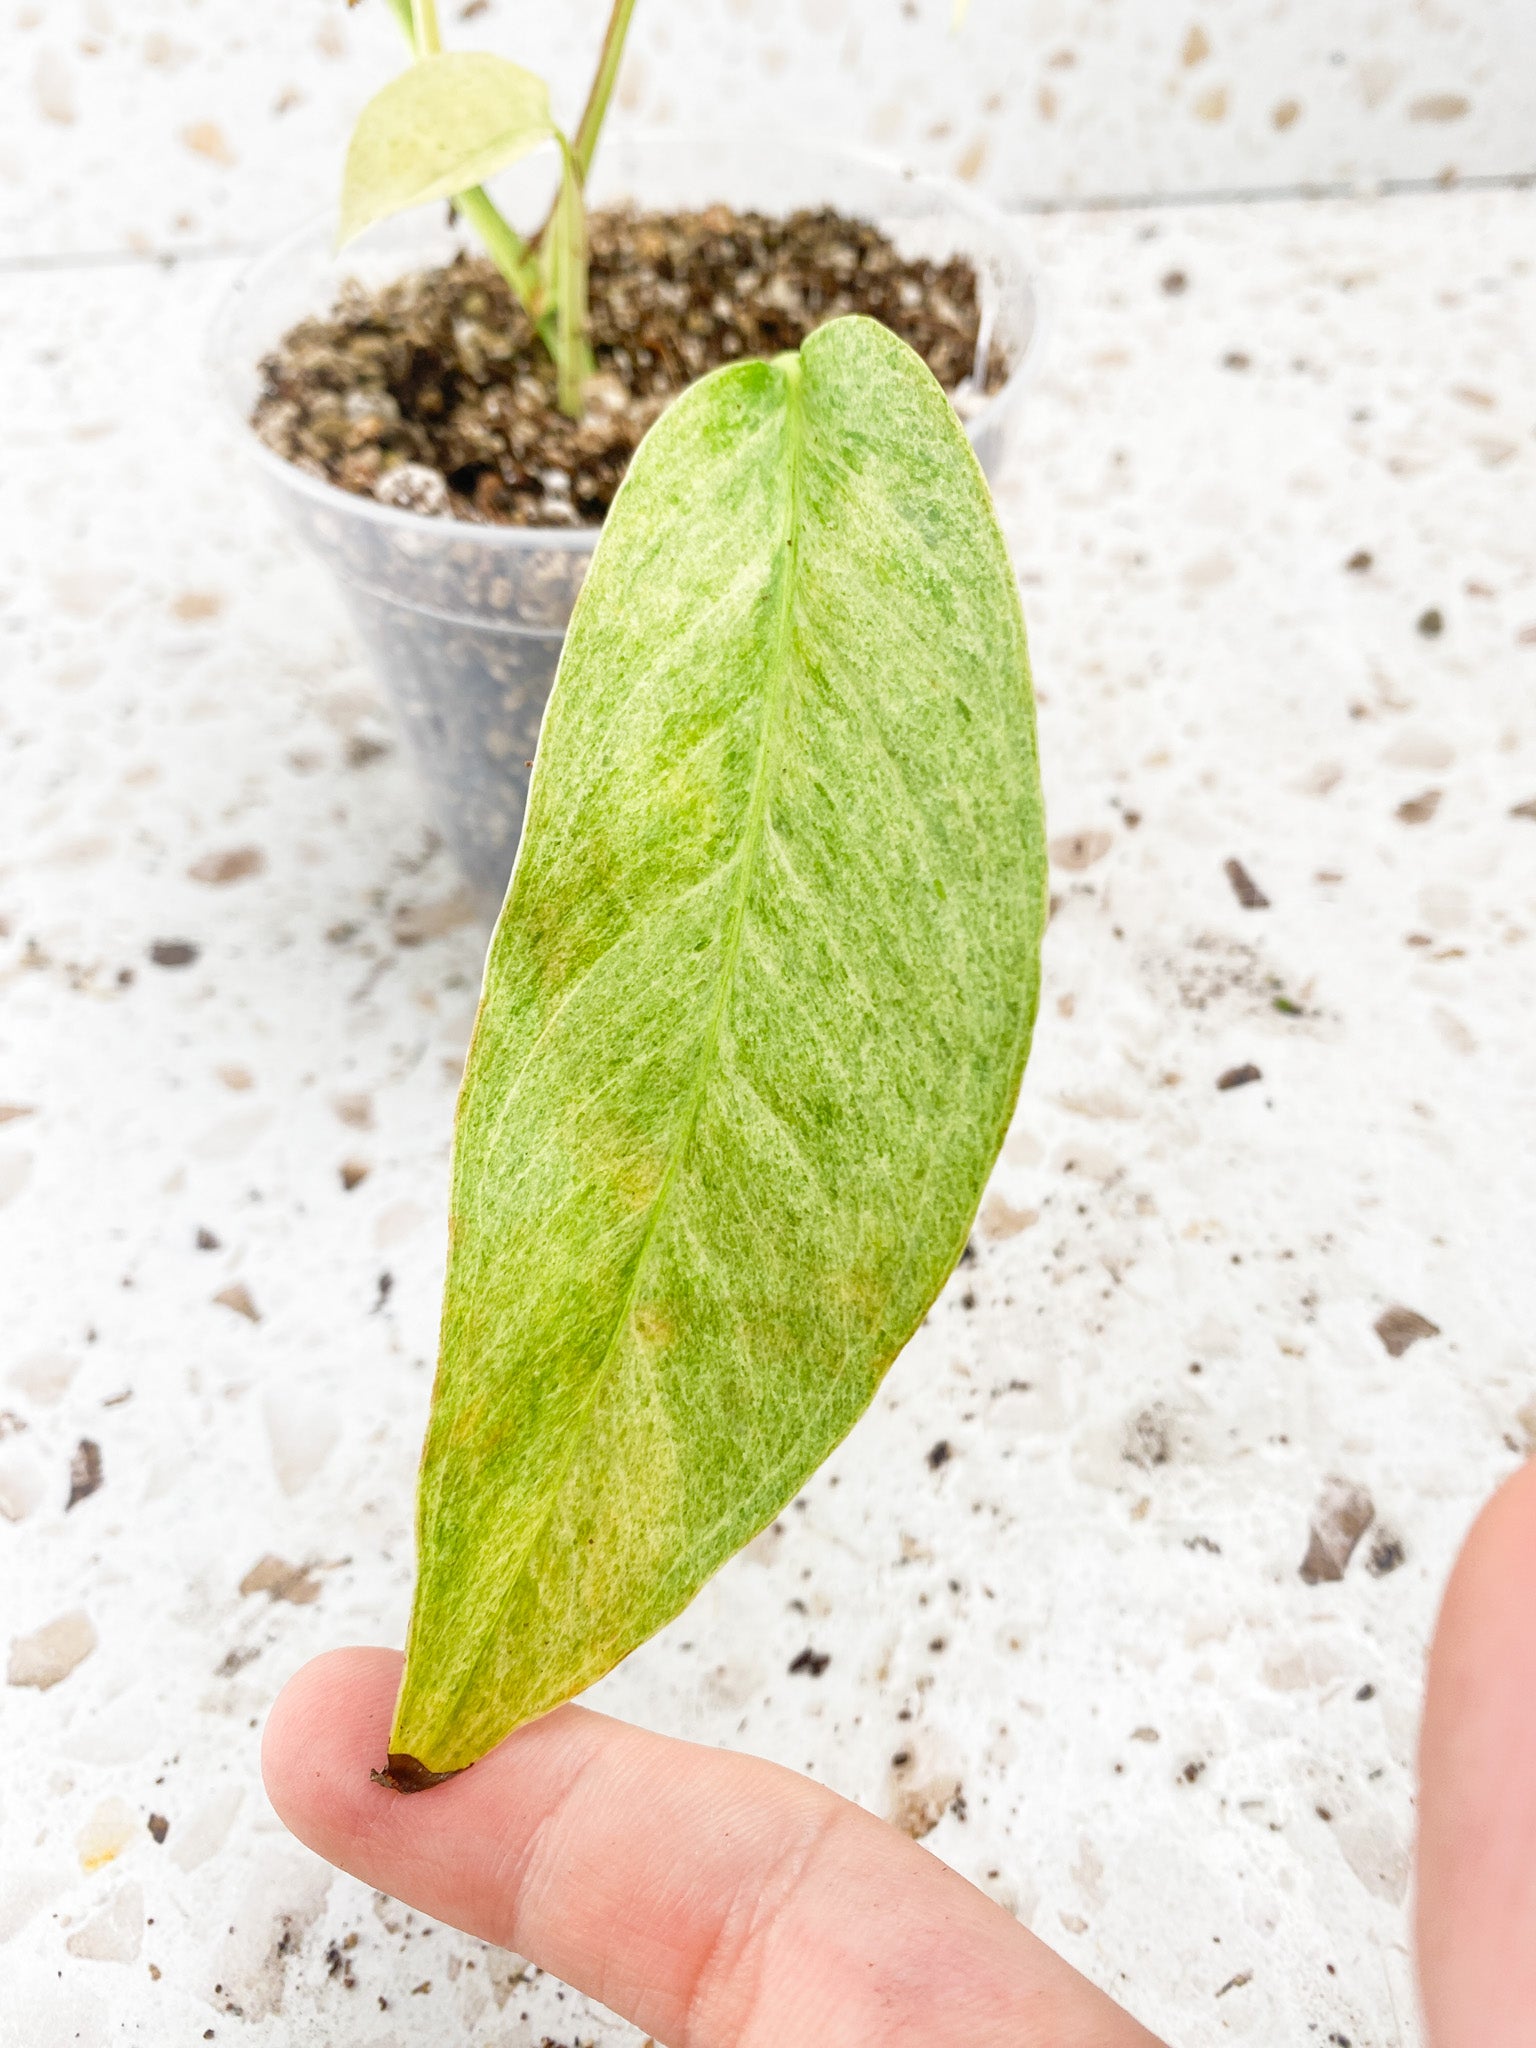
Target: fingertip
1487, 1606
328, 1729
1503, 1532
1476, 1900
630, 1864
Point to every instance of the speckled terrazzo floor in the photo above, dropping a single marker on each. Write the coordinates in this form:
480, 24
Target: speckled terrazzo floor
1083, 1623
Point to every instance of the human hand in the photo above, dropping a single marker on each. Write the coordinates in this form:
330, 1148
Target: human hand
715, 1900
721, 1902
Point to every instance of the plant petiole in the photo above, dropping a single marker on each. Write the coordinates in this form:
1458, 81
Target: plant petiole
511, 255
426, 38
584, 144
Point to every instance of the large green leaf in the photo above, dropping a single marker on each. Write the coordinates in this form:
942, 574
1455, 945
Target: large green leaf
444, 125
754, 1020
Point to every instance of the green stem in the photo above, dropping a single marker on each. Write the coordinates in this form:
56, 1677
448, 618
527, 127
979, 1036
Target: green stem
562, 241
584, 146
427, 40
511, 256
565, 268
504, 245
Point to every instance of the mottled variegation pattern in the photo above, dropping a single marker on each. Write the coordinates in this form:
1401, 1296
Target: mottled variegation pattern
753, 1026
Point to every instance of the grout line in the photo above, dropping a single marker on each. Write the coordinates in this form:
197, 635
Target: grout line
1363, 190
134, 259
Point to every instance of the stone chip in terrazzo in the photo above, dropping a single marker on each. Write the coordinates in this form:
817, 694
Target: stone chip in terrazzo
103, 1838
21, 1483
1399, 1328
52, 1652
115, 1931
1343, 1513
237, 1296
85, 1472
279, 1580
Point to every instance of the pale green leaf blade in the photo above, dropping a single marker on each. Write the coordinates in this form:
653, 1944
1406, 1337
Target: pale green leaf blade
447, 123
753, 1026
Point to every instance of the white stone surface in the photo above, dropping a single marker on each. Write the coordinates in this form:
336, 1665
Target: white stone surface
185, 124
1090, 1618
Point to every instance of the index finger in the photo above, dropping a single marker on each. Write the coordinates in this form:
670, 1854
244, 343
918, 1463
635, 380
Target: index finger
715, 1900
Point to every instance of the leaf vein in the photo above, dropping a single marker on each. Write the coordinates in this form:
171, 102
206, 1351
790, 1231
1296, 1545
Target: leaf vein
775, 693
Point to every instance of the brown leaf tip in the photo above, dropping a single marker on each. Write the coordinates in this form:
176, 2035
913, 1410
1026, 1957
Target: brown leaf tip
402, 1773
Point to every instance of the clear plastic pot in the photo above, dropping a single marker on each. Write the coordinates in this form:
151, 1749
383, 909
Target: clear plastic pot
464, 623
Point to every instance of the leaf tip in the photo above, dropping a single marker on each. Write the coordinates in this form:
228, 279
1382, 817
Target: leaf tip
402, 1773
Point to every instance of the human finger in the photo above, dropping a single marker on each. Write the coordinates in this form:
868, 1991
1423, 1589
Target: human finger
716, 1900
1476, 1906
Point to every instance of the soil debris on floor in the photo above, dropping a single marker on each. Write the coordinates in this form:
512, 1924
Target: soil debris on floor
433, 393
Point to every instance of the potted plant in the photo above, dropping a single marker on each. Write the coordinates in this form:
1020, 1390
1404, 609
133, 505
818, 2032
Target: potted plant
444, 407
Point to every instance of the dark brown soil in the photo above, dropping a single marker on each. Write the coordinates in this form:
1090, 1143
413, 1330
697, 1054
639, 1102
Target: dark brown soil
435, 394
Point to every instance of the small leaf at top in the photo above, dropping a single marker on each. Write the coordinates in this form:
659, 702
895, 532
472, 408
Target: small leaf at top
754, 1020
447, 123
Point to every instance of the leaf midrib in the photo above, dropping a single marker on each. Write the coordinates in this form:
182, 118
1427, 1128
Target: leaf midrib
775, 694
